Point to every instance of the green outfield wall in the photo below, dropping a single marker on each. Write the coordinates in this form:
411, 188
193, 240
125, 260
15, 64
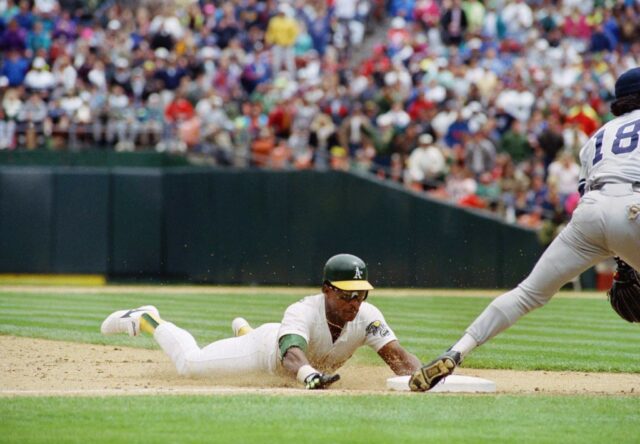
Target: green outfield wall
247, 227
91, 158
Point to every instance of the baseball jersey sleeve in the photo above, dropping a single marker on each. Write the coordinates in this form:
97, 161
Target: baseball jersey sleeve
586, 158
377, 332
297, 320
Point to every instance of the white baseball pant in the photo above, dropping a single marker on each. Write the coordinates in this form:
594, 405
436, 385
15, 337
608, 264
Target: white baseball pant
257, 351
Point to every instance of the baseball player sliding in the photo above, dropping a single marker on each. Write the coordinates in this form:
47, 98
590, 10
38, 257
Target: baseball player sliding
317, 335
606, 223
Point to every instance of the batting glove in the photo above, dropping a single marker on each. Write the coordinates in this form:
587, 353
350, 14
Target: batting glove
317, 381
427, 376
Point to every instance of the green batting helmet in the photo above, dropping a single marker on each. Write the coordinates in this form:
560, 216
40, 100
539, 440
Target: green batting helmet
347, 272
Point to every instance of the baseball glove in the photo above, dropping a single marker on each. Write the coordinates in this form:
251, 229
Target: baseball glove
624, 294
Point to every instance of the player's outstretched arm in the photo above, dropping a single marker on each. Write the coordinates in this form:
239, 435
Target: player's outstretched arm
295, 361
398, 359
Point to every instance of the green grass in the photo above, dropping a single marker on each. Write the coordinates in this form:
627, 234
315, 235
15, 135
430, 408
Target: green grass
322, 419
567, 334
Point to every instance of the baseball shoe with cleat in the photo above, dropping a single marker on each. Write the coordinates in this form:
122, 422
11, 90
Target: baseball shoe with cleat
240, 327
127, 321
427, 376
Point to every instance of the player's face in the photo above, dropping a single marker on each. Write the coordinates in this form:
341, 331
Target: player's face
345, 304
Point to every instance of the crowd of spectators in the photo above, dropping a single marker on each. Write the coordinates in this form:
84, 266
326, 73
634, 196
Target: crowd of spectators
485, 104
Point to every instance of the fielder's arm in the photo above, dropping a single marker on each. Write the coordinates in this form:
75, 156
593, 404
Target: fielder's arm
398, 359
294, 359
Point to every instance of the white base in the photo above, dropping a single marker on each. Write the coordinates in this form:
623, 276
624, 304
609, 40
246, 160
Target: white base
451, 384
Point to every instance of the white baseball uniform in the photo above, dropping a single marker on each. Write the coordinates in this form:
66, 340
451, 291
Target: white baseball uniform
258, 350
606, 223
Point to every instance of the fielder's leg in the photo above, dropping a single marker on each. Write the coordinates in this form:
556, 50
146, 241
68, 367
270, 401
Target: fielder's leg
623, 226
607, 222
571, 253
558, 265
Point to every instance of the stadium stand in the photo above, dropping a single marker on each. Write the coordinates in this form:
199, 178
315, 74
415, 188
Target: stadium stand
481, 103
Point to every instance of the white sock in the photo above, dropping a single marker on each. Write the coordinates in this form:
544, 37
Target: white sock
465, 345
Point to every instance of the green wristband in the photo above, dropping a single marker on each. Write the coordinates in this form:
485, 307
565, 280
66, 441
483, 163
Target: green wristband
292, 340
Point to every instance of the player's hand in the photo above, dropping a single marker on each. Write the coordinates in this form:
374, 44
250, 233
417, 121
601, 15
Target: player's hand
317, 381
430, 374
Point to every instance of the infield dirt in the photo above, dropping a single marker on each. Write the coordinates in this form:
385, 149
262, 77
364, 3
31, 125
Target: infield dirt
44, 367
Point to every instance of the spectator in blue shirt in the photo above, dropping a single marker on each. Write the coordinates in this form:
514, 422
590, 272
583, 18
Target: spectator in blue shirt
601, 40
15, 68
25, 17
456, 132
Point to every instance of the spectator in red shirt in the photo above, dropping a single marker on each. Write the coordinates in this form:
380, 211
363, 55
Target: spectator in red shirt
179, 109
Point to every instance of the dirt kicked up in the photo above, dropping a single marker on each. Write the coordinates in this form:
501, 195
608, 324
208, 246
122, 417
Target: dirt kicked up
38, 367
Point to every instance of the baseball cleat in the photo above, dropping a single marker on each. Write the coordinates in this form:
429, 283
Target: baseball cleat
240, 327
126, 321
427, 376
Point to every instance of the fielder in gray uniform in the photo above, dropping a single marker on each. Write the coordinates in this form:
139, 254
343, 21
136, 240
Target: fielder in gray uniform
316, 336
606, 223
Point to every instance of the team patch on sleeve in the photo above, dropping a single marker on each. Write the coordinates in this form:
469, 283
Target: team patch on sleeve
377, 328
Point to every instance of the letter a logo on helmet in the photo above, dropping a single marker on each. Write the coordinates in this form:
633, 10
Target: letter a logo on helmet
347, 272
